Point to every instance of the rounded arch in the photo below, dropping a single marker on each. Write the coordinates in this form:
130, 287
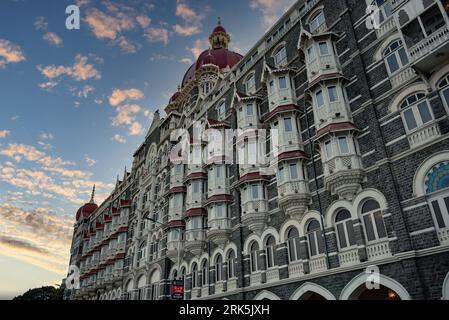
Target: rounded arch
361, 279
370, 193
313, 14
155, 275
421, 173
249, 240
312, 287
415, 87
286, 227
270, 232
119, 293
173, 270
335, 207
217, 251
378, 54
266, 295
192, 262
129, 285
445, 290
305, 220
438, 76
141, 281
228, 248
184, 265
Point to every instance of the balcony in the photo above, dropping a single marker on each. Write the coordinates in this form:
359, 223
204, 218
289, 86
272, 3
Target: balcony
219, 287
295, 269
272, 275
386, 27
294, 198
317, 264
256, 278
443, 236
175, 250
349, 257
343, 175
195, 240
427, 133
219, 230
231, 284
196, 293
322, 65
379, 250
247, 122
288, 142
255, 215
205, 291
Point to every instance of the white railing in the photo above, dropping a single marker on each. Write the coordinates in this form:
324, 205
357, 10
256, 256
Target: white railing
378, 250
255, 206
402, 77
219, 287
256, 278
424, 134
219, 224
317, 264
386, 27
349, 257
196, 293
205, 291
195, 235
429, 43
443, 236
295, 269
292, 187
272, 275
232, 284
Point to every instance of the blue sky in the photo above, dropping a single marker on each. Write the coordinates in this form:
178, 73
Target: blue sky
75, 104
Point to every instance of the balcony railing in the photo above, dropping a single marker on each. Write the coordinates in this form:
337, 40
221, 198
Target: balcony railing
272, 275
386, 27
232, 284
205, 291
424, 134
443, 236
317, 264
349, 257
430, 43
256, 278
219, 287
296, 269
378, 250
402, 77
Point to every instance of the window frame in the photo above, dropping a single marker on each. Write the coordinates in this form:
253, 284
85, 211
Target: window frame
372, 220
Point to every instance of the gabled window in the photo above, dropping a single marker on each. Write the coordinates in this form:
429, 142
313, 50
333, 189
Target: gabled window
280, 56
294, 171
293, 244
416, 111
316, 21
269, 251
231, 264
288, 125
254, 248
333, 94
218, 268
250, 84
319, 98
315, 238
343, 145
249, 109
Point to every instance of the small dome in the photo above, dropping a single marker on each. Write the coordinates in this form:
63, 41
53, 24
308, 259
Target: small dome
218, 29
88, 208
174, 97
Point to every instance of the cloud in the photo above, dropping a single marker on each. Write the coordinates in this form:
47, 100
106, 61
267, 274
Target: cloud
85, 91
186, 60
198, 47
143, 20
106, 26
10, 53
21, 244
157, 35
193, 21
120, 95
4, 133
48, 86
126, 45
126, 116
136, 129
53, 39
46, 136
271, 9
90, 162
40, 23
118, 138
81, 70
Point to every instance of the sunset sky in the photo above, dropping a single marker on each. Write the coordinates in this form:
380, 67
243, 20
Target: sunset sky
75, 104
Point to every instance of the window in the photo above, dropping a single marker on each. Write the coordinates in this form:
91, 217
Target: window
221, 110
269, 251
196, 186
218, 172
282, 83
250, 83
395, 56
195, 281
316, 22
333, 95
179, 168
319, 98
437, 184
254, 248
288, 124
249, 109
293, 171
218, 268
281, 174
280, 56
231, 264
373, 221
328, 149
255, 192
311, 53
345, 229
324, 48
315, 238
343, 145
416, 111
443, 86
219, 213
205, 273
385, 9
293, 244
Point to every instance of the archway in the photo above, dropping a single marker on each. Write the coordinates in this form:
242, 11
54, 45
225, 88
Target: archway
311, 291
266, 295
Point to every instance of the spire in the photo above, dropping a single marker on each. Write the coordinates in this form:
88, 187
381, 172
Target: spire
219, 21
92, 196
219, 38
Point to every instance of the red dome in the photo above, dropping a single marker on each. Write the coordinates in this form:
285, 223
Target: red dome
86, 210
174, 97
218, 29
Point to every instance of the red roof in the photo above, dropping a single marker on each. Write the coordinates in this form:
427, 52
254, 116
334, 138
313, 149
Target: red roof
292, 154
339, 126
220, 198
218, 29
252, 176
86, 210
196, 175
196, 212
125, 203
284, 108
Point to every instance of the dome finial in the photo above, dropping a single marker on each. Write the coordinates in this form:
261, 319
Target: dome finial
93, 195
219, 21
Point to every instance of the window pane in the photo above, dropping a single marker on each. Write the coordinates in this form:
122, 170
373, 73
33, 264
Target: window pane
282, 83
343, 143
288, 124
392, 63
369, 227
328, 149
333, 96
324, 49
381, 232
410, 119
312, 245
319, 236
249, 109
424, 111
255, 191
311, 53
341, 235
281, 174
319, 98
403, 56
293, 171
351, 233
438, 215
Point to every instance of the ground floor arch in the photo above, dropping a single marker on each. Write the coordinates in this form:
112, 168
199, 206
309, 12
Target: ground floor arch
311, 291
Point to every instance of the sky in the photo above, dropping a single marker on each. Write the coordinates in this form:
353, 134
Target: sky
75, 105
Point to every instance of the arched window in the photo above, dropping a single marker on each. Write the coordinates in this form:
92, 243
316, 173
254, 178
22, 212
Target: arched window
221, 110
250, 84
142, 253
437, 187
195, 282
395, 56
315, 238
280, 56
345, 229
373, 221
316, 21
270, 251
293, 244
443, 86
218, 268
231, 264
205, 273
254, 248
385, 9
416, 111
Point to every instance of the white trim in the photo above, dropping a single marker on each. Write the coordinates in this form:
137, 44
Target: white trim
311, 287
413, 88
361, 279
414, 233
266, 295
